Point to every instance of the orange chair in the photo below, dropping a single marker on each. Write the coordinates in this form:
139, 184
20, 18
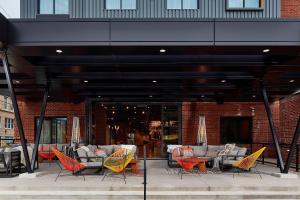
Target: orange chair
46, 153
68, 164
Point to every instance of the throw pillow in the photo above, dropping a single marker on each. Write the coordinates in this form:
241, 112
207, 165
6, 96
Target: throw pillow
101, 152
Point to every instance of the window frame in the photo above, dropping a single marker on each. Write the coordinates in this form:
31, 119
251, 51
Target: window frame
53, 11
261, 6
10, 123
197, 8
121, 5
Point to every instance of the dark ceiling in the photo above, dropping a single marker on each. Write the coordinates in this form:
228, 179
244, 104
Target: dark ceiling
144, 74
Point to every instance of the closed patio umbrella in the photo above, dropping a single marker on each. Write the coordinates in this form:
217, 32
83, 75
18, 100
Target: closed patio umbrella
75, 131
201, 136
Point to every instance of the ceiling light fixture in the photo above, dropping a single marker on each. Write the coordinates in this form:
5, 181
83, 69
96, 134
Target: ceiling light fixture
59, 51
202, 96
127, 107
99, 96
86, 81
17, 82
150, 96
154, 81
266, 50
223, 81
254, 96
292, 81
162, 50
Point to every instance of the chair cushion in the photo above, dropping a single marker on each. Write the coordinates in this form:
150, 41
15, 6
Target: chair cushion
241, 153
199, 151
92, 164
109, 149
82, 153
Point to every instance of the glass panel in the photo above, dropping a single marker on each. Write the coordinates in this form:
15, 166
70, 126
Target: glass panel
190, 4
46, 7
113, 4
61, 6
46, 132
61, 124
128, 4
252, 4
174, 4
235, 3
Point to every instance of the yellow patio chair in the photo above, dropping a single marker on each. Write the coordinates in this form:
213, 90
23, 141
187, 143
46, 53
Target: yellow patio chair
248, 162
118, 161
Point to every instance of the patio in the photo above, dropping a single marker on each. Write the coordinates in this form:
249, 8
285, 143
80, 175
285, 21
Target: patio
161, 185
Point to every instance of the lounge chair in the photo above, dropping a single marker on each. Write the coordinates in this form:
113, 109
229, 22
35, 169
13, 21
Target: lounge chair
117, 162
248, 162
68, 164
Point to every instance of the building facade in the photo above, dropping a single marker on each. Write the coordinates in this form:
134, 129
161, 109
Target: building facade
6, 120
202, 36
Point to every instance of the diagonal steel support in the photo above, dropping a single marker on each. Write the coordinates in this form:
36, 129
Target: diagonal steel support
16, 109
39, 128
272, 127
292, 148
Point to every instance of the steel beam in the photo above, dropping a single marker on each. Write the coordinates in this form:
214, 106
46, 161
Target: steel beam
16, 109
39, 128
88, 120
272, 127
292, 148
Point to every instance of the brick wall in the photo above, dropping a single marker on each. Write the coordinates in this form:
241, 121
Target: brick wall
289, 115
30, 110
213, 112
290, 8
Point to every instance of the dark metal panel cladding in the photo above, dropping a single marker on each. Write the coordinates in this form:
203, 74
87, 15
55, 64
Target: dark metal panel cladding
148, 31
157, 9
252, 31
87, 32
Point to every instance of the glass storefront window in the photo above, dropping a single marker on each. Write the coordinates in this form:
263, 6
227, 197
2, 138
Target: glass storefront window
120, 4
182, 4
10, 8
54, 130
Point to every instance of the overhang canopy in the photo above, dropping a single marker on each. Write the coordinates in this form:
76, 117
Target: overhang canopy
154, 60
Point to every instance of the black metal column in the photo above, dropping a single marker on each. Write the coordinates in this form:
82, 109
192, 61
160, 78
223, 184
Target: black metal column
39, 128
292, 148
16, 109
273, 129
88, 120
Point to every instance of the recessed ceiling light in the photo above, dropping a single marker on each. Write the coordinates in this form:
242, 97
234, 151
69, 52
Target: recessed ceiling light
86, 81
59, 51
154, 81
202, 96
17, 82
266, 50
150, 96
223, 81
48, 96
99, 96
254, 96
292, 81
127, 107
162, 50
143, 112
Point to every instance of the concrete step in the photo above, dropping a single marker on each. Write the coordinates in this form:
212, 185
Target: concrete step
153, 195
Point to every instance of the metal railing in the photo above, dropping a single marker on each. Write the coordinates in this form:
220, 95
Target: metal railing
282, 146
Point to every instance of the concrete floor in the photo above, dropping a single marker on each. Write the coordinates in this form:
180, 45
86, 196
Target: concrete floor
159, 180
